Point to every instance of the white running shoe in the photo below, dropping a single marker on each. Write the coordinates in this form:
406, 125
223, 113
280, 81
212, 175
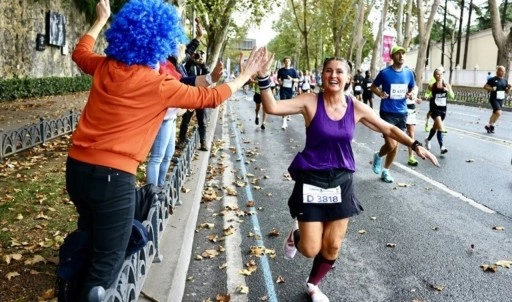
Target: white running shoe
288, 118
285, 125
428, 145
289, 243
316, 294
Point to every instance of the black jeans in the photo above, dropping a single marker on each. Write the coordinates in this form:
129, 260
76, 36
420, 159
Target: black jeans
201, 123
105, 200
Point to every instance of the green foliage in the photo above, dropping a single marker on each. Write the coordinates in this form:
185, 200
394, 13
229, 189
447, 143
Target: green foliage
88, 7
17, 88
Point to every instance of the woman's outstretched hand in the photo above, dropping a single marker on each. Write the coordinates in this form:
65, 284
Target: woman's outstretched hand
425, 154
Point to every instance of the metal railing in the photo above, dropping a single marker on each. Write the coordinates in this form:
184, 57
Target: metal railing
135, 269
472, 96
13, 141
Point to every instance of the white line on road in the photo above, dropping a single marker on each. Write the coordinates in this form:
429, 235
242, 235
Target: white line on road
265, 266
438, 185
233, 242
446, 189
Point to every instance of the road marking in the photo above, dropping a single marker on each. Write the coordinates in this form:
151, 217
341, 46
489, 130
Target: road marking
233, 242
265, 269
465, 114
438, 185
444, 188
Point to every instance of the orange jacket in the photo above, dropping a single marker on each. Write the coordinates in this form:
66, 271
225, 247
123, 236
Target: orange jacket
126, 107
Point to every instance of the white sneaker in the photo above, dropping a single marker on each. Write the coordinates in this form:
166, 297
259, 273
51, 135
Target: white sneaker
288, 118
428, 145
289, 243
285, 125
316, 294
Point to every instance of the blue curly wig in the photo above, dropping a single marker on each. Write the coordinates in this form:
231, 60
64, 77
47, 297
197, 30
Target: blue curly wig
145, 32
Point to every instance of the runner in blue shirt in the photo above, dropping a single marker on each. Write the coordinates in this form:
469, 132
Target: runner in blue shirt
396, 83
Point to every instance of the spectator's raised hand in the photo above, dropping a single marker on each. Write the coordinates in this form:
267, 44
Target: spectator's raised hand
265, 68
256, 60
199, 29
217, 71
103, 11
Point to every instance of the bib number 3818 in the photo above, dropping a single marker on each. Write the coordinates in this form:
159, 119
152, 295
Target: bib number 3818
316, 195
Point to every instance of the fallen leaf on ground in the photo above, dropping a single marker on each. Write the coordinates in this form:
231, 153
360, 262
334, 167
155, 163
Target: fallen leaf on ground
391, 244
489, 268
223, 298
362, 232
498, 228
504, 263
242, 289
438, 287
11, 275
280, 280
274, 233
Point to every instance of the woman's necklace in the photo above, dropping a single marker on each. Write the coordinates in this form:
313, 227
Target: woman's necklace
337, 106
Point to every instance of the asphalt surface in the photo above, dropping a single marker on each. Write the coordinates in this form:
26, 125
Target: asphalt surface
439, 220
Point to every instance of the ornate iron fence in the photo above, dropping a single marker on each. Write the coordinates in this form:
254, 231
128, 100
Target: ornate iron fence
136, 268
13, 141
472, 96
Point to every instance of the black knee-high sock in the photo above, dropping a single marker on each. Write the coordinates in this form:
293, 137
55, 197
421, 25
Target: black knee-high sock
440, 138
321, 267
431, 134
296, 238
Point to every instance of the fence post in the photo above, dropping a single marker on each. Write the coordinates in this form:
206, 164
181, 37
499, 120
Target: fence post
1, 145
72, 120
41, 128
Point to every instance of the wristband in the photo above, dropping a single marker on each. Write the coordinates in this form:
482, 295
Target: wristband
208, 79
415, 145
264, 83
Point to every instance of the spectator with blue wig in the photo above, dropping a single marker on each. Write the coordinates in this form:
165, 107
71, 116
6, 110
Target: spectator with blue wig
127, 103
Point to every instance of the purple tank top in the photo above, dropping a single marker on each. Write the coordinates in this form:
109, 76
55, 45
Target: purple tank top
328, 142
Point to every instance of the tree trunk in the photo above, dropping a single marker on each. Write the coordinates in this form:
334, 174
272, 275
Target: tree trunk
503, 42
424, 30
377, 55
408, 22
399, 20
356, 50
216, 39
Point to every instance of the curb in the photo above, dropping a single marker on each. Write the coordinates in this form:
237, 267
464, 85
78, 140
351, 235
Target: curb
166, 280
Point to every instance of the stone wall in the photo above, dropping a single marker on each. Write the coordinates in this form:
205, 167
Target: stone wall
21, 21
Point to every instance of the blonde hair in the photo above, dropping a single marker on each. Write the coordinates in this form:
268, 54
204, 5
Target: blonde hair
181, 53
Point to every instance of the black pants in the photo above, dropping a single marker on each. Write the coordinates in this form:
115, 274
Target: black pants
201, 123
105, 201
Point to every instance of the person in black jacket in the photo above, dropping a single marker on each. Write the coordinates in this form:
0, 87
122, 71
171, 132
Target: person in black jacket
195, 66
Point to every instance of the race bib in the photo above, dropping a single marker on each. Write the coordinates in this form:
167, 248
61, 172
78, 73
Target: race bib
500, 95
287, 83
440, 100
357, 88
368, 85
398, 91
316, 195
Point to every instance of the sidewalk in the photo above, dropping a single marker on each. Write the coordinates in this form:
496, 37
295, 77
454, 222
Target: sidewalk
166, 280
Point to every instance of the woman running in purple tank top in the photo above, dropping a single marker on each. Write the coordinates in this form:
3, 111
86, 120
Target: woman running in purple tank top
323, 170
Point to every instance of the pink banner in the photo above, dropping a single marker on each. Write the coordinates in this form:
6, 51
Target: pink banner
387, 44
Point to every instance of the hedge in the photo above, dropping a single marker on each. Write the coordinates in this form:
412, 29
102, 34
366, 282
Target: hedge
22, 88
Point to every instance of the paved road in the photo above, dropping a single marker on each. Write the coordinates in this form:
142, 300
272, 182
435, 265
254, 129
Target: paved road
441, 222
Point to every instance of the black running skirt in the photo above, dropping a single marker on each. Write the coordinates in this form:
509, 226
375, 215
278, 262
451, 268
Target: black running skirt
348, 207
